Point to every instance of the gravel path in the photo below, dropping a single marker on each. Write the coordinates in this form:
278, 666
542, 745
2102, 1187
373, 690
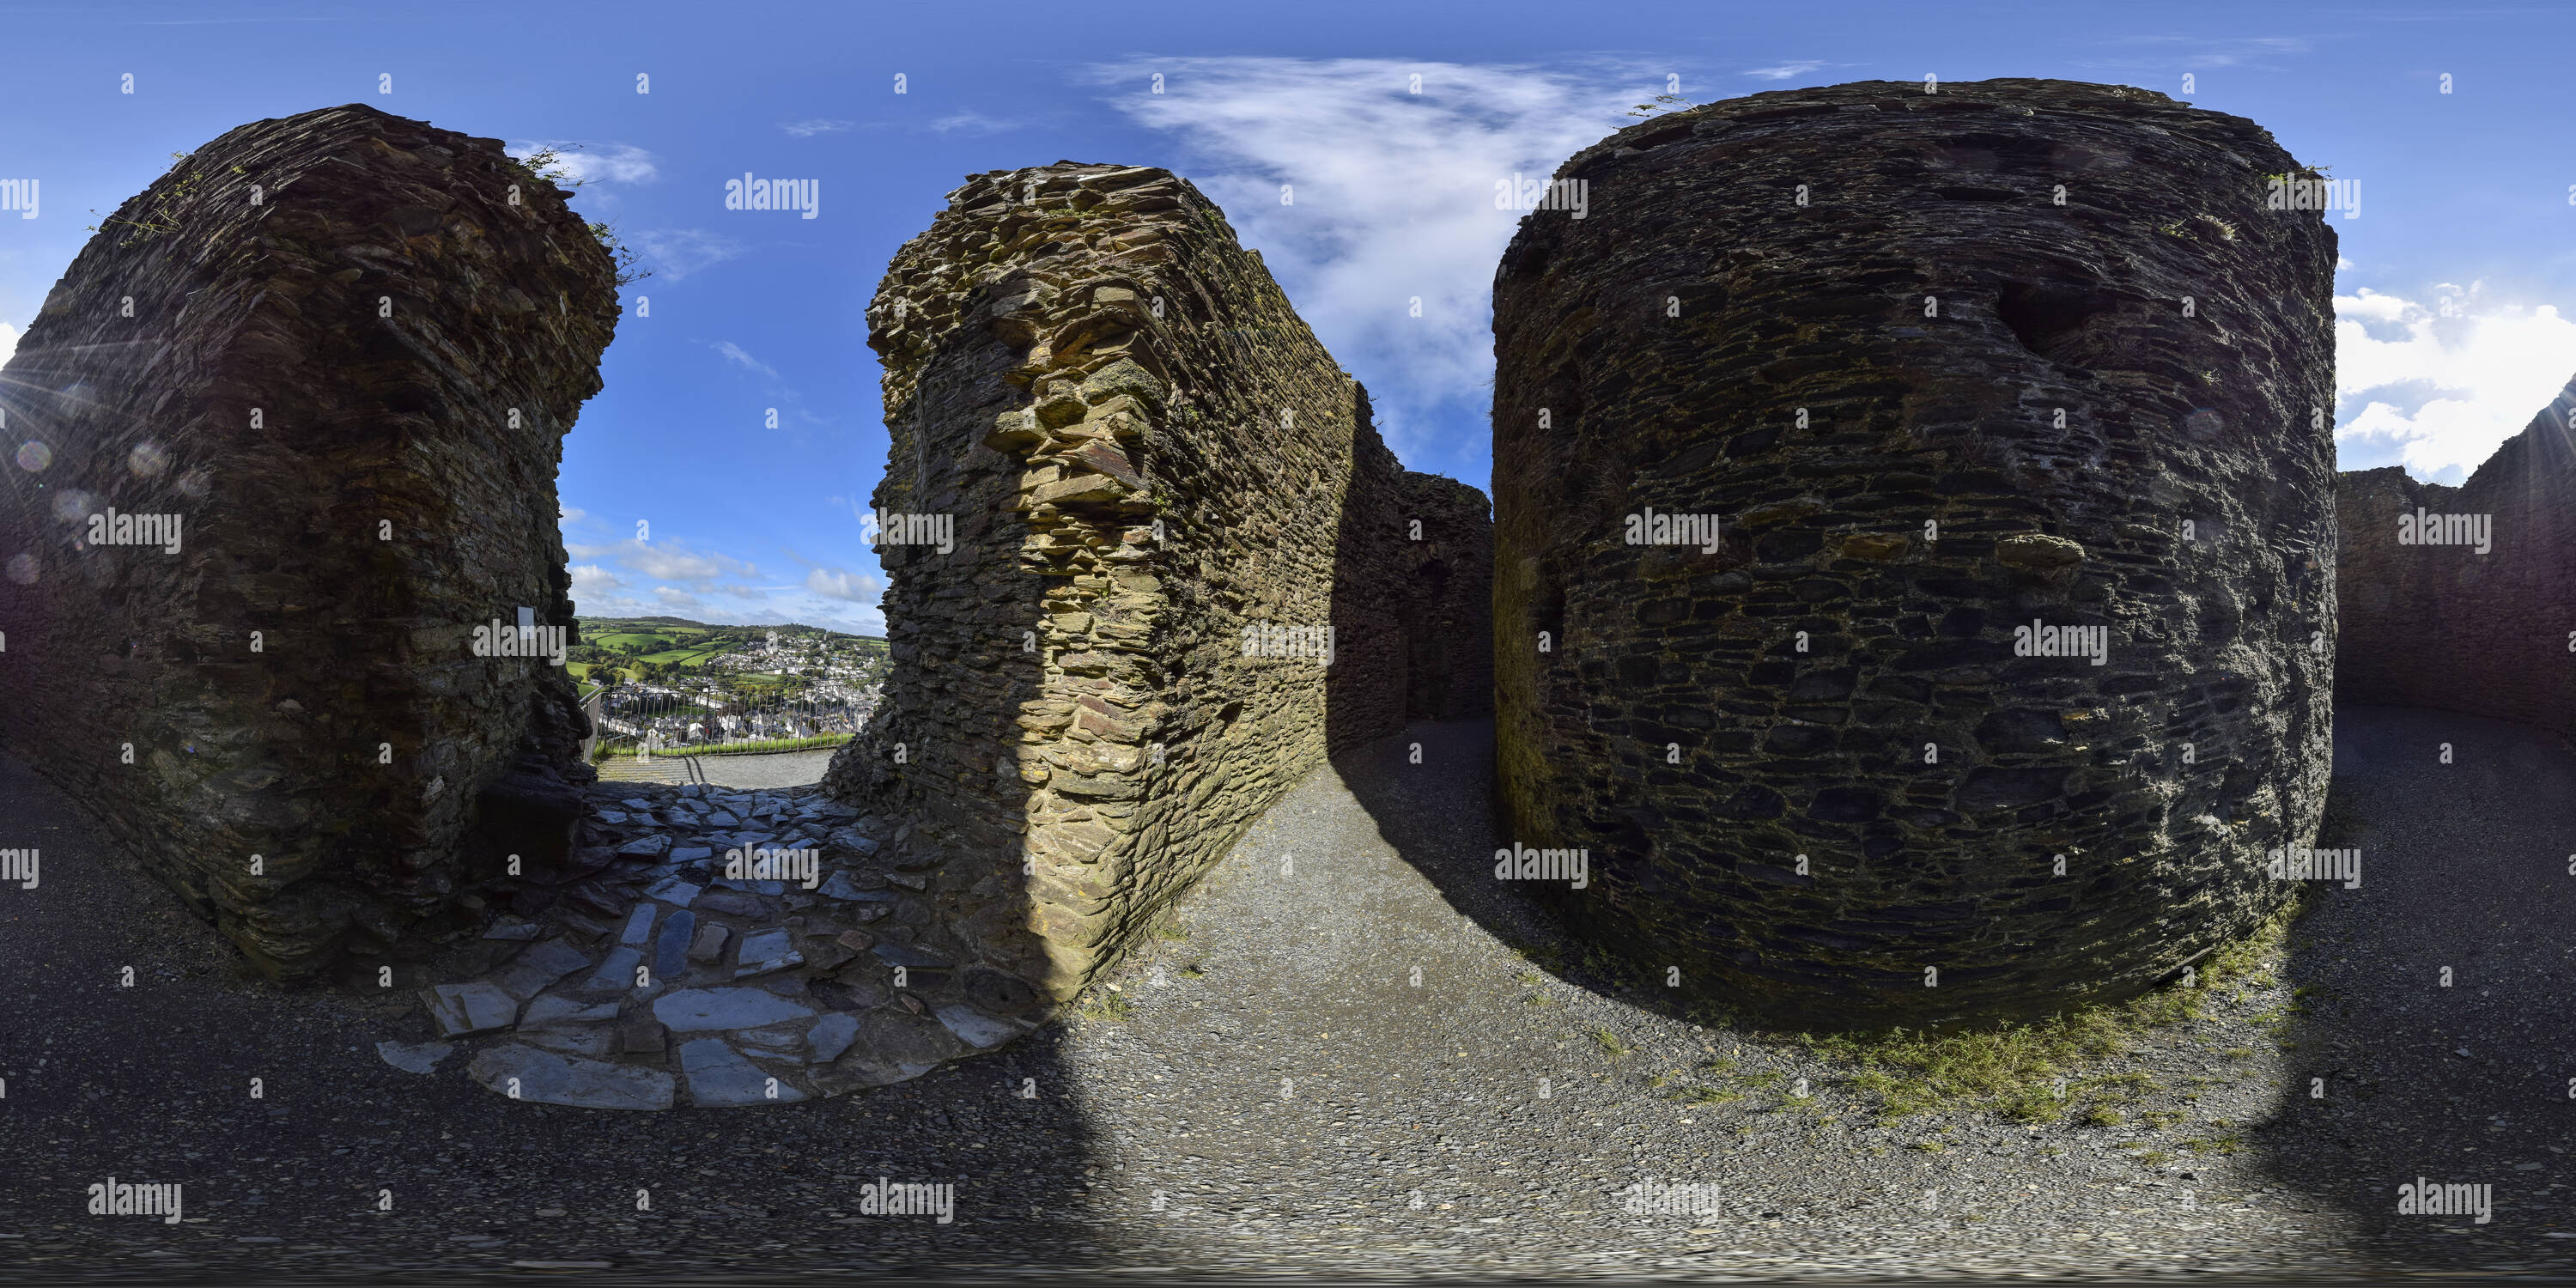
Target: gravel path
783, 769
1280, 1093
747, 773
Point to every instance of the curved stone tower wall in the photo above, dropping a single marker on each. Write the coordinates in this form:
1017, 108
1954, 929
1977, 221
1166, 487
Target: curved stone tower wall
1136, 450
341, 349
2428, 622
1930, 405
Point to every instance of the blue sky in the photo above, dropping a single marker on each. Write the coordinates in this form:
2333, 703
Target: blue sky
2456, 296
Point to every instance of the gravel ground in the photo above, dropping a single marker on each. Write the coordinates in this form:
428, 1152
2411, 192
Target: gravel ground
1281, 1095
747, 773
785, 769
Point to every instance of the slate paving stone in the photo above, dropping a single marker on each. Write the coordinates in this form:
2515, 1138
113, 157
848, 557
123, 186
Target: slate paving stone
974, 1026
642, 1037
552, 1079
590, 1040
617, 974
549, 1011
778, 1041
731, 904
658, 906
673, 890
645, 847
671, 949
639, 925
709, 943
720, 1078
699, 1010
830, 1036
764, 951
846, 888
461, 1009
418, 1057
894, 954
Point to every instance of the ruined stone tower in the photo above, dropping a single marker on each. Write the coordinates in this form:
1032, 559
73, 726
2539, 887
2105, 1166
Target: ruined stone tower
339, 352
2461, 598
1148, 560
1953, 372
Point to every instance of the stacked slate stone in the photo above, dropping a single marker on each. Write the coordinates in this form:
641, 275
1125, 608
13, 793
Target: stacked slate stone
1140, 451
1952, 371
2461, 598
340, 351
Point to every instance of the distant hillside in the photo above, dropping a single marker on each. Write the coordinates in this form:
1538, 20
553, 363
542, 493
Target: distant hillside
591, 625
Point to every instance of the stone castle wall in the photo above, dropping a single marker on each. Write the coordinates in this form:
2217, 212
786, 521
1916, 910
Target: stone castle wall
2444, 626
1139, 450
343, 349
1809, 767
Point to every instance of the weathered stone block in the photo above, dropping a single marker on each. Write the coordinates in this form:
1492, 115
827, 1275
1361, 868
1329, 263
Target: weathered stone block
2462, 598
1950, 373
1144, 453
339, 351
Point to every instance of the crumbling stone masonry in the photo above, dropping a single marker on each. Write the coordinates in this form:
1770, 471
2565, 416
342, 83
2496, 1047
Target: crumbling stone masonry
339, 351
1932, 406
2428, 620
1132, 450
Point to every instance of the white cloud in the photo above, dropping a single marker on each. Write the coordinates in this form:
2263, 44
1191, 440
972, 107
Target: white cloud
590, 581
971, 121
808, 129
616, 163
1394, 196
567, 514
669, 597
833, 583
669, 561
8, 341
1786, 70
677, 252
734, 351
2439, 393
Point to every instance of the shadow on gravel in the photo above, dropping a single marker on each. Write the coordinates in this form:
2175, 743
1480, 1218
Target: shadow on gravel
151, 1082
1443, 818
2397, 1076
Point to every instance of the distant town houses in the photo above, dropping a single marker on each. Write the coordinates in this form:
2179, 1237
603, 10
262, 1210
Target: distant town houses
825, 685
